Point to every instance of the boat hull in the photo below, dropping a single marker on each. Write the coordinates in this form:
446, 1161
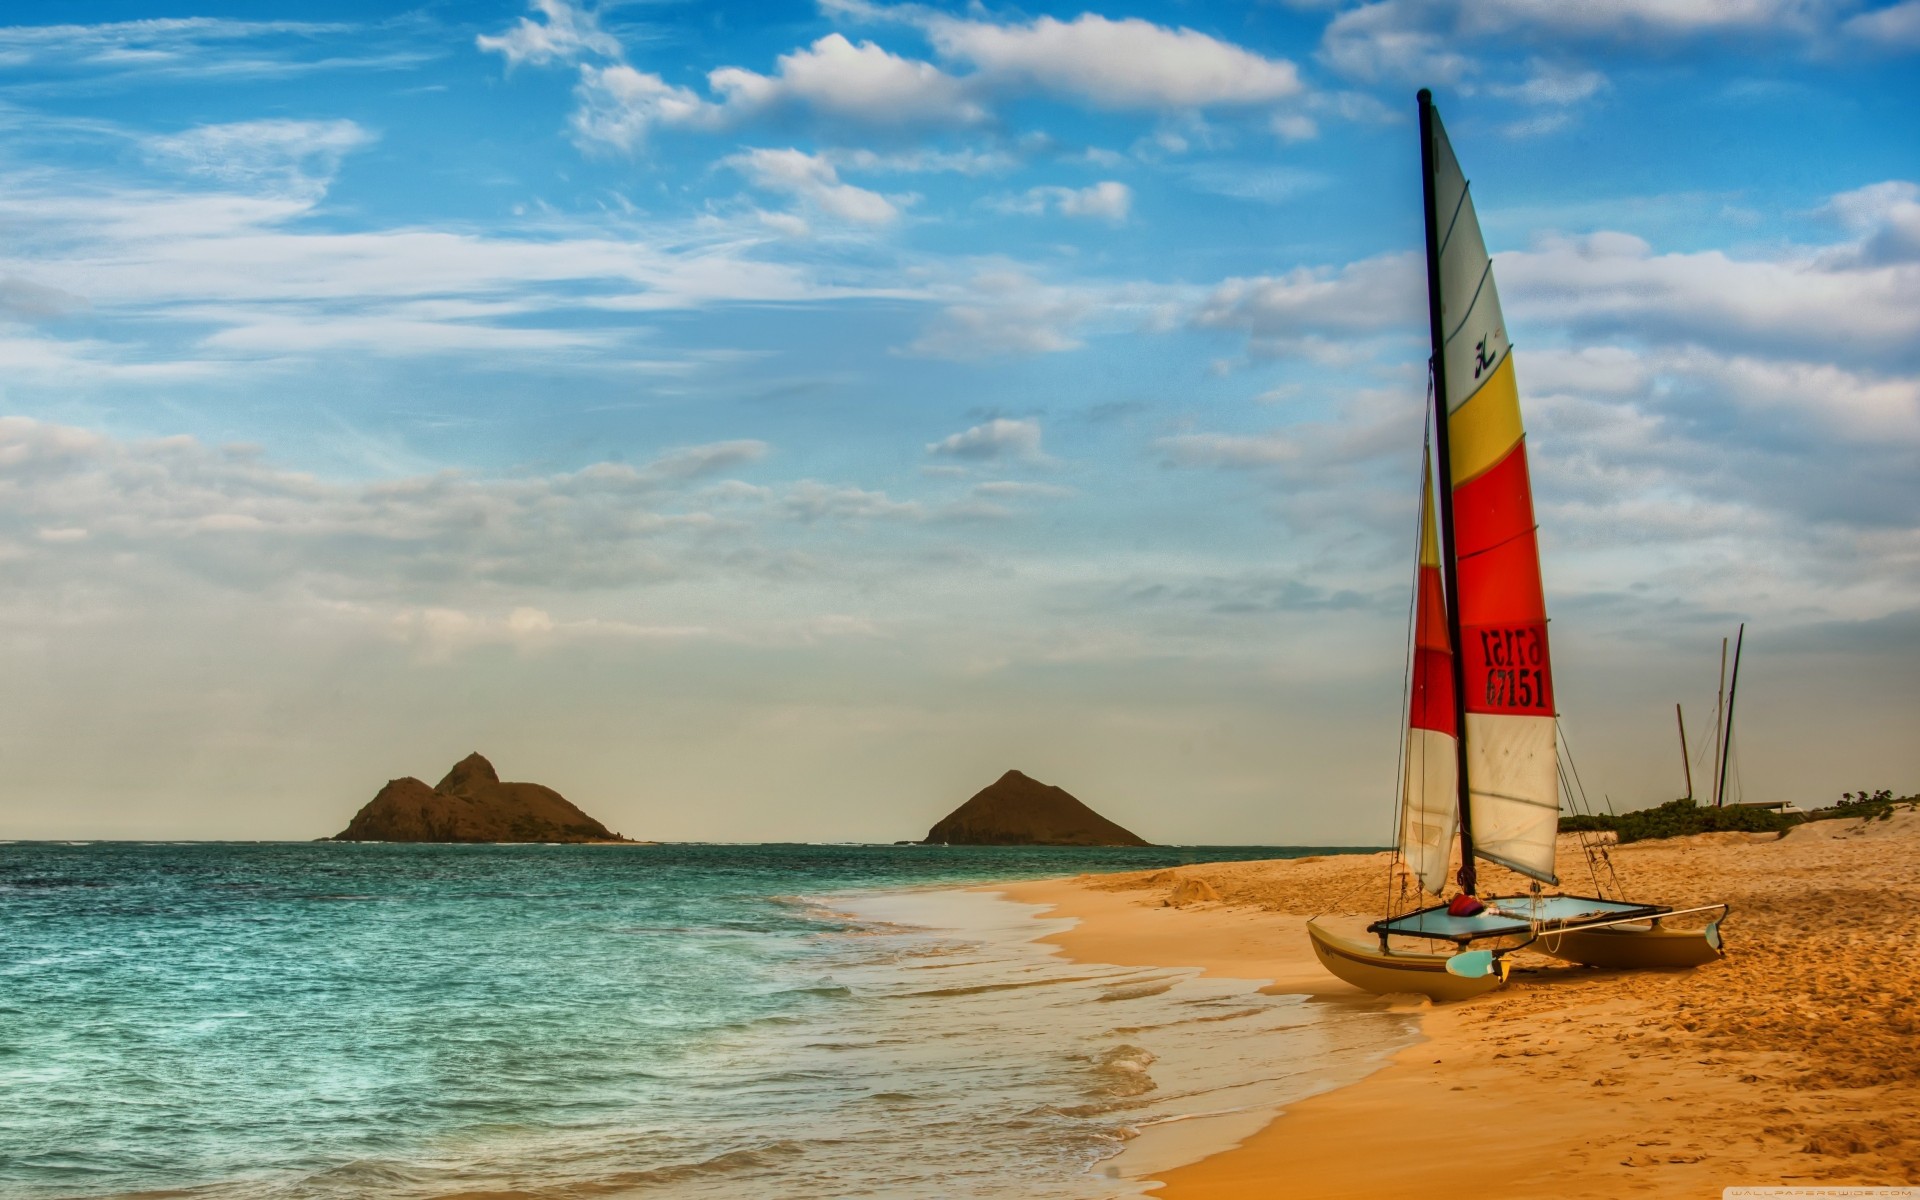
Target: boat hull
1634, 947
1367, 968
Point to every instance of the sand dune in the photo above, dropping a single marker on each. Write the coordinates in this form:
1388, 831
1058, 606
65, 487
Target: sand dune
1795, 1060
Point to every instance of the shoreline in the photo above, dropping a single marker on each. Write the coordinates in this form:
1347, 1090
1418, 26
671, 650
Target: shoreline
1219, 1052
1262, 950
1787, 1063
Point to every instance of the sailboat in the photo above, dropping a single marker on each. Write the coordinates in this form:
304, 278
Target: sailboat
1481, 767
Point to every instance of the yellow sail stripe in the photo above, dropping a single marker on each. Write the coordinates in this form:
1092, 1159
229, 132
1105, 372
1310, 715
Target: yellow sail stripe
1429, 537
1481, 431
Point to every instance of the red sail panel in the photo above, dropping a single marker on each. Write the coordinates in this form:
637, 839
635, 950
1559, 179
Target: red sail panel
1430, 787
1503, 612
1431, 702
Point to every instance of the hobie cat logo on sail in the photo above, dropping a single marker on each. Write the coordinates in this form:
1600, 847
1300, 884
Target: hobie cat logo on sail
1481, 358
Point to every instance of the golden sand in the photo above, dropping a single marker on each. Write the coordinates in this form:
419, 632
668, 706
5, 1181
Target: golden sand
1795, 1060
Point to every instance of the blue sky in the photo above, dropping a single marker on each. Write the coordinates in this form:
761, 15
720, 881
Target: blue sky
776, 420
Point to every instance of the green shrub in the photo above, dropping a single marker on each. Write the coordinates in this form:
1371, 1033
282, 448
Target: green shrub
1586, 822
1677, 818
1865, 805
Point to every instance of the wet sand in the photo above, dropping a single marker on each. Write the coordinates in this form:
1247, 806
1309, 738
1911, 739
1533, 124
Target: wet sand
1793, 1061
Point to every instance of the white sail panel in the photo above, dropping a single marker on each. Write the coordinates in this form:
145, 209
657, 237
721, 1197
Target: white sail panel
1470, 318
1430, 806
1514, 784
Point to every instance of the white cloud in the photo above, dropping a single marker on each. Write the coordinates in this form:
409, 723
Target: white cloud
118, 517
810, 500
786, 224
1263, 183
566, 35
250, 279
1799, 303
188, 49
619, 106
693, 462
1375, 295
295, 155
922, 160
1538, 125
440, 634
1895, 27
1823, 402
1001, 437
1644, 20
833, 79
1393, 40
1124, 64
813, 180
25, 300
1330, 477
1107, 200
1020, 489
1555, 84
1294, 127
1006, 313
1430, 41
266, 333
860, 83
1231, 450
1127, 64
1886, 219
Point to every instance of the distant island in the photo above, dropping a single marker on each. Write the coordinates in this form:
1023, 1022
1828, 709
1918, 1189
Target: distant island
471, 805
1016, 810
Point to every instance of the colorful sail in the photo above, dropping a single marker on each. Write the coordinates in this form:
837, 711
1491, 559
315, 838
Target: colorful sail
1512, 768
1429, 792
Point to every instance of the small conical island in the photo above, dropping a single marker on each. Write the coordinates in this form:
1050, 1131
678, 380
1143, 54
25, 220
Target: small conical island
471, 805
1016, 810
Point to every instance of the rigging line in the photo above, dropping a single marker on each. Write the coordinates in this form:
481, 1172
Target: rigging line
1606, 856
1562, 742
1586, 850
1567, 745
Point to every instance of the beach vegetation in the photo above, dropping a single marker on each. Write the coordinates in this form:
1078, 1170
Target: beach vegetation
1867, 806
1678, 818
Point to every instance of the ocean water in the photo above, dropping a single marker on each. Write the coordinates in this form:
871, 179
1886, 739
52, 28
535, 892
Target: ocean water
333, 1020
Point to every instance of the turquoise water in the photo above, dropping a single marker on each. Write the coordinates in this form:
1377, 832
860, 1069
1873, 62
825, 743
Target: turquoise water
322, 1020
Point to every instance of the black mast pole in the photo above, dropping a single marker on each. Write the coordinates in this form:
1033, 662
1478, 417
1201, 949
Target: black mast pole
1449, 565
1684, 763
1726, 746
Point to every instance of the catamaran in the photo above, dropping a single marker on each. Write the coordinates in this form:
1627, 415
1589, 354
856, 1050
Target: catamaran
1482, 768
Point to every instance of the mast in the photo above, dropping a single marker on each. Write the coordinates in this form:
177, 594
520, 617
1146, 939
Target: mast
1449, 566
1682, 718
1726, 746
1719, 721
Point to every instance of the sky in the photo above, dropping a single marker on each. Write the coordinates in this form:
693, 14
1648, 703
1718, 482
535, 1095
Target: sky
774, 421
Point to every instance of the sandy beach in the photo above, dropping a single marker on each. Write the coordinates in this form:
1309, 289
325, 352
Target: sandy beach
1795, 1060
